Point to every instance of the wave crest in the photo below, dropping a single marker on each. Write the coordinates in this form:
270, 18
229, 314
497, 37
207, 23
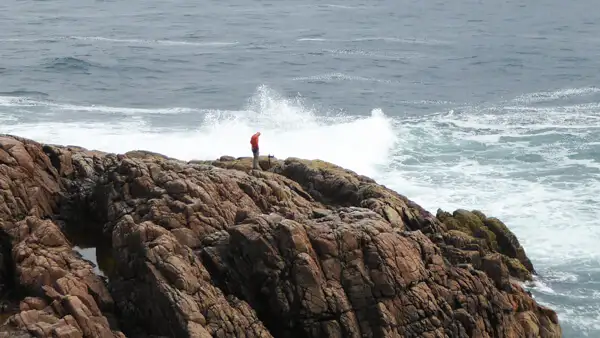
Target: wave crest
290, 126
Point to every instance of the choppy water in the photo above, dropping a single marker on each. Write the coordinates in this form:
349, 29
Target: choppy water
487, 105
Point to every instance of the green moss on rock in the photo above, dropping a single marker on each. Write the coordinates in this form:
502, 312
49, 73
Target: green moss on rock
242, 163
496, 234
469, 223
496, 225
516, 268
507, 242
479, 214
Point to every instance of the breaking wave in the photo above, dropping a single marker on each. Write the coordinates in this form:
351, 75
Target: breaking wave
536, 167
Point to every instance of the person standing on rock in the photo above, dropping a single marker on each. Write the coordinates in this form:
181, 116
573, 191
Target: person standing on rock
254, 143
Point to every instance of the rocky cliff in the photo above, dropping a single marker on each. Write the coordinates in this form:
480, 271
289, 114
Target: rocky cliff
215, 249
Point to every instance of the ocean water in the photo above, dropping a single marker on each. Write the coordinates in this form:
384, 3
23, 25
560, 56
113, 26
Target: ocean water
464, 104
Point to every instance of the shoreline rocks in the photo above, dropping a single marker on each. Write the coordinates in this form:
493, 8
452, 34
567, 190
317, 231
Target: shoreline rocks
215, 249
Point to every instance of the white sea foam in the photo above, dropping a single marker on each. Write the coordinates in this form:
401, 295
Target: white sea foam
584, 318
547, 215
288, 129
469, 158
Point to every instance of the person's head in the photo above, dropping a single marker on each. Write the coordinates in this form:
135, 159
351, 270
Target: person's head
258, 133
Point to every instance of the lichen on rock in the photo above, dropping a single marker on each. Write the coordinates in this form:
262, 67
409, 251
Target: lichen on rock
490, 235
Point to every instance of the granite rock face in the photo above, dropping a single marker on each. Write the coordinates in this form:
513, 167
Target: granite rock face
216, 249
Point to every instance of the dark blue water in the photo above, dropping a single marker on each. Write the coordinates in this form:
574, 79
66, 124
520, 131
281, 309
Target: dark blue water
470, 104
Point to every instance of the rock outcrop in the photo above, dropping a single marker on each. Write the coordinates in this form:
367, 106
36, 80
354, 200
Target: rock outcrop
68, 295
216, 249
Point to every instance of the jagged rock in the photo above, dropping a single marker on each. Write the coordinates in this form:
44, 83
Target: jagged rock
507, 242
217, 249
334, 185
353, 274
46, 266
162, 286
12, 333
474, 231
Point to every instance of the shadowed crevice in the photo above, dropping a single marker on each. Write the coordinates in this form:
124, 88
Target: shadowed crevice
92, 246
10, 291
229, 283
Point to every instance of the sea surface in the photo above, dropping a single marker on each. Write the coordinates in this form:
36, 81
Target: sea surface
489, 105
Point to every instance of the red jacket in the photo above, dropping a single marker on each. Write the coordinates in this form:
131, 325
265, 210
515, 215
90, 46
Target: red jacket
254, 140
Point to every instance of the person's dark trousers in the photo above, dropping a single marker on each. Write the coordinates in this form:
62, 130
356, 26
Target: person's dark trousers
255, 160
